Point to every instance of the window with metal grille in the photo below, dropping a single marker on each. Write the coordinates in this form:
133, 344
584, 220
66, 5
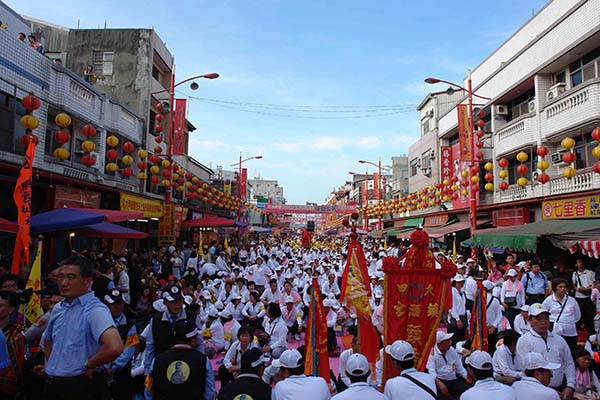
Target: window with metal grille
103, 62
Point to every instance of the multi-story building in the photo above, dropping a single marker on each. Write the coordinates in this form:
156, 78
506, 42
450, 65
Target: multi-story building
544, 86
400, 174
266, 188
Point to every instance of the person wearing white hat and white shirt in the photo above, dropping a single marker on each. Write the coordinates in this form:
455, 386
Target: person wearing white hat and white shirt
512, 295
410, 384
538, 374
297, 385
358, 371
470, 288
214, 334
564, 312
331, 316
493, 314
235, 307
458, 317
344, 356
292, 315
504, 360
277, 330
552, 346
445, 365
331, 286
521, 324
480, 368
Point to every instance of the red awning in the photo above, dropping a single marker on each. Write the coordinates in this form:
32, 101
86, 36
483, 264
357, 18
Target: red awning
208, 221
112, 231
440, 231
7, 226
115, 215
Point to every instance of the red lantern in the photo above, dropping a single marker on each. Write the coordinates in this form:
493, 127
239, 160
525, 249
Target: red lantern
175, 167
159, 107
454, 196
188, 195
543, 178
489, 177
112, 154
475, 188
479, 154
158, 128
154, 179
181, 181
128, 147
480, 123
522, 169
154, 159
569, 157
166, 173
127, 172
480, 133
158, 149
88, 130
24, 140
503, 185
503, 163
158, 139
596, 134
142, 165
61, 136
542, 151
454, 179
30, 102
188, 176
479, 143
596, 167
88, 160
475, 169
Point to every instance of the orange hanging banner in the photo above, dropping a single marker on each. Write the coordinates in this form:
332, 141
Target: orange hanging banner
316, 358
22, 198
464, 133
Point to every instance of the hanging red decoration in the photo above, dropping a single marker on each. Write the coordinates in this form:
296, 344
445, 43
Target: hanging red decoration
166, 173
158, 149
88, 160
479, 154
522, 169
543, 178
154, 159
112, 154
503, 163
542, 151
175, 167
158, 139
158, 128
127, 172
128, 147
181, 181
480, 133
88, 131
489, 177
596, 167
569, 157
480, 123
142, 165
31, 102
503, 185
62, 136
159, 107
154, 179
596, 133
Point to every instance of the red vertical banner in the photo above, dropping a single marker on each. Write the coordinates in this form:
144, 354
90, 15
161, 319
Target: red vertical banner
364, 193
446, 163
316, 359
376, 184
458, 166
244, 183
22, 198
464, 133
179, 127
179, 215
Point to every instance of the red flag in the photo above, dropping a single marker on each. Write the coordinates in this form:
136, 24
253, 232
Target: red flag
316, 357
22, 198
478, 326
356, 291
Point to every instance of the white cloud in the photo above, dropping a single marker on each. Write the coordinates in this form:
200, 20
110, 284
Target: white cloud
207, 145
292, 147
370, 142
328, 143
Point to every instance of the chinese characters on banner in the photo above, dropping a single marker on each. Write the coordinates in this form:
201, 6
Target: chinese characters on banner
165, 227
179, 215
179, 127
244, 183
458, 166
227, 188
316, 357
22, 198
150, 207
464, 133
577, 207
446, 163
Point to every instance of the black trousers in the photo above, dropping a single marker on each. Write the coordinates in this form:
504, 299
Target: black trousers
77, 388
331, 340
456, 387
588, 312
534, 298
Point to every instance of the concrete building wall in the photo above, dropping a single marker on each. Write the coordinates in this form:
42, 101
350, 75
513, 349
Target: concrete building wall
400, 172
14, 22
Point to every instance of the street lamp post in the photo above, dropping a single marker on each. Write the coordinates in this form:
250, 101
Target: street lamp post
379, 181
239, 186
171, 92
366, 215
470, 95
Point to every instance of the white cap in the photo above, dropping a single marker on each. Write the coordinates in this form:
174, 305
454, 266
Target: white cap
289, 359
534, 360
537, 309
512, 272
525, 308
522, 264
236, 296
400, 350
159, 305
357, 365
188, 299
213, 312
225, 313
206, 295
378, 294
488, 285
480, 360
458, 278
470, 260
441, 336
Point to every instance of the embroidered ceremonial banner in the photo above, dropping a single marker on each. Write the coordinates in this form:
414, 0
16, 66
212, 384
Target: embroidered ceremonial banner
316, 359
179, 127
478, 327
34, 282
464, 133
22, 198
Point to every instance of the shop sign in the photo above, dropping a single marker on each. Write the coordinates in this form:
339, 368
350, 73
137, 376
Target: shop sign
179, 215
74, 197
165, 228
150, 207
446, 163
464, 133
435, 220
576, 207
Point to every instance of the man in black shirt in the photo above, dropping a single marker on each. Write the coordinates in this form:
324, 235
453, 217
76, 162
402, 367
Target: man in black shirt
248, 383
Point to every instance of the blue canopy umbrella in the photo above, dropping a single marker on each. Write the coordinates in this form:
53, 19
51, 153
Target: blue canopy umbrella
62, 219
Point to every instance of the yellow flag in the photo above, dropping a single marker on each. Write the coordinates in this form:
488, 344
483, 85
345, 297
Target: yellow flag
226, 245
385, 245
200, 247
34, 307
454, 250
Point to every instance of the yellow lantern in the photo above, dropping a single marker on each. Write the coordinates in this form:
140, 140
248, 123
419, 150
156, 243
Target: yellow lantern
142, 176
88, 146
188, 185
446, 198
488, 166
155, 169
569, 172
446, 182
431, 203
596, 151
454, 188
112, 167
543, 165
475, 179
127, 160
63, 120
29, 122
489, 187
165, 163
61, 153
431, 188
465, 192
438, 194
142, 154
181, 172
112, 141
464, 174
522, 181
419, 206
180, 188
503, 174
419, 193
195, 179
522, 157
165, 183
175, 176
568, 143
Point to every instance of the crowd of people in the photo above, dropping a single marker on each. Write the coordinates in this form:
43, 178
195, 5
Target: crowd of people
228, 321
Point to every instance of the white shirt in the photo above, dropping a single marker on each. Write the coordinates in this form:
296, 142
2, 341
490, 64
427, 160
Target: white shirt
298, 387
447, 367
269, 297
494, 312
331, 319
251, 310
566, 325
505, 364
278, 333
489, 389
587, 281
343, 361
513, 289
458, 304
470, 288
217, 334
123, 283
530, 388
521, 325
553, 349
234, 355
402, 388
359, 391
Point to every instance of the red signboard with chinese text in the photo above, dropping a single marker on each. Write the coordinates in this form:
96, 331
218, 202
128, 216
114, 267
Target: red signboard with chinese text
511, 216
301, 209
179, 127
165, 227
179, 215
244, 183
458, 166
446, 163
464, 133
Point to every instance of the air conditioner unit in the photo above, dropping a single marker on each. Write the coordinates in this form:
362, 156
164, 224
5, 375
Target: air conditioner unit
432, 154
427, 172
531, 106
429, 114
500, 109
555, 91
557, 157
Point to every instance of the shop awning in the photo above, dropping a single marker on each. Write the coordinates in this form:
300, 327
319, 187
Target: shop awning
259, 229
397, 232
208, 221
7, 226
409, 223
62, 219
114, 215
440, 231
376, 234
112, 231
524, 237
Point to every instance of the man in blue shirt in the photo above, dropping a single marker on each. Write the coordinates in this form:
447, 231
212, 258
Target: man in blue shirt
535, 284
81, 336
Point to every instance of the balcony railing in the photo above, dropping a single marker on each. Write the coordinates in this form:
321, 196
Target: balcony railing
516, 134
580, 182
514, 193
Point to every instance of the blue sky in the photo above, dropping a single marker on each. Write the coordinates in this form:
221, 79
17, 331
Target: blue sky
313, 54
